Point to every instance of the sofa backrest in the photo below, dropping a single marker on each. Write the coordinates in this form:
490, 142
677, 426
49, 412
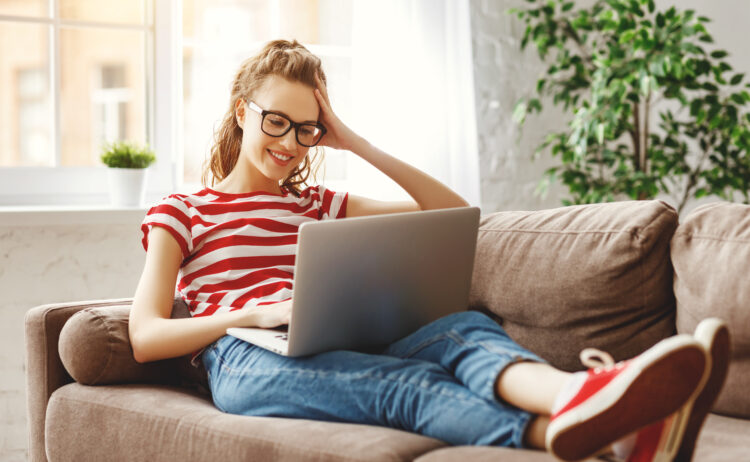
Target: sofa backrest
711, 257
568, 278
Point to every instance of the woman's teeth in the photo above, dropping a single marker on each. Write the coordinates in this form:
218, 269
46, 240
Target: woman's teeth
280, 157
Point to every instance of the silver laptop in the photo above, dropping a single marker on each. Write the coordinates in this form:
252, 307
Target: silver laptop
369, 281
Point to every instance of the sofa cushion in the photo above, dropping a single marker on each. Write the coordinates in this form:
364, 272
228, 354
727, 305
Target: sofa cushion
723, 439
489, 454
155, 422
95, 349
581, 276
711, 258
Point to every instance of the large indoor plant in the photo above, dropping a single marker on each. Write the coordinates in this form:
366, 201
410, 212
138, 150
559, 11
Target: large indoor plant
652, 108
128, 163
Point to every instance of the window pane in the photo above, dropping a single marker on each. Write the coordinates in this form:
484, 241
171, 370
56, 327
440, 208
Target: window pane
116, 11
320, 22
102, 92
207, 80
34, 8
299, 20
335, 22
339, 76
227, 25
26, 114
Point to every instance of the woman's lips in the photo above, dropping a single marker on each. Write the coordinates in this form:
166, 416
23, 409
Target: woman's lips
277, 160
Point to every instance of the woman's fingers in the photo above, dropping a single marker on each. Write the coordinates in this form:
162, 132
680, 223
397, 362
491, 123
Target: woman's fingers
322, 88
321, 100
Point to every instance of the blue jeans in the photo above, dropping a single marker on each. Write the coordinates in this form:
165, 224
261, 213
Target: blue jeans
438, 382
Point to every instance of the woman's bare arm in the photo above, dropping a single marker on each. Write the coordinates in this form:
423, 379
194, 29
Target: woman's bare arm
428, 192
154, 336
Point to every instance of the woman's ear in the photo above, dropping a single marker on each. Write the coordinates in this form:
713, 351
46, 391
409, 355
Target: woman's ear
239, 112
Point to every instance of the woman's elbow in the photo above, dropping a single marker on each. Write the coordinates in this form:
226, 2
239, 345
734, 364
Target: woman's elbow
140, 353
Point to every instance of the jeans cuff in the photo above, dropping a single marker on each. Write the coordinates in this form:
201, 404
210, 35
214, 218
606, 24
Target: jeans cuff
513, 359
524, 421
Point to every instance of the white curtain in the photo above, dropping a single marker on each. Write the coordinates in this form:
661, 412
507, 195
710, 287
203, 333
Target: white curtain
413, 93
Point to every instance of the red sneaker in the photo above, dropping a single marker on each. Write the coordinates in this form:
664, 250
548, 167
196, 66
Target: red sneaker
677, 434
605, 403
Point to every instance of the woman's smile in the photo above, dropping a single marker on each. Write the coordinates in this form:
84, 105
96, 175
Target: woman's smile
279, 157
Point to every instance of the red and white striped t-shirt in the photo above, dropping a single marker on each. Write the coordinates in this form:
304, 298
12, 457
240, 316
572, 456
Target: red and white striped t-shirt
238, 249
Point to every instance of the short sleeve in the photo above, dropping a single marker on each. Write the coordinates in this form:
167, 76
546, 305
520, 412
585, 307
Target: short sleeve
333, 204
172, 214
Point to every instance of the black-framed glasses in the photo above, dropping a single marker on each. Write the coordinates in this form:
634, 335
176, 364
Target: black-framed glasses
277, 125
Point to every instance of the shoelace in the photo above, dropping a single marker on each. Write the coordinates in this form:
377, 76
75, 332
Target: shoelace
598, 360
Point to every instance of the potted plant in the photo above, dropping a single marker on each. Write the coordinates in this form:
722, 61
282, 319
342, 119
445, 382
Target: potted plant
127, 164
652, 110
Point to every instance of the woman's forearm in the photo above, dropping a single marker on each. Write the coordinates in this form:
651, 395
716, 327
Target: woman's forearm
160, 338
428, 192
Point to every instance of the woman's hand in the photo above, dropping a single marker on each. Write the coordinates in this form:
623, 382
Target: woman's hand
338, 135
268, 316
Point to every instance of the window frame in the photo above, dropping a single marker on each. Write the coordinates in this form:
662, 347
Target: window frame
62, 185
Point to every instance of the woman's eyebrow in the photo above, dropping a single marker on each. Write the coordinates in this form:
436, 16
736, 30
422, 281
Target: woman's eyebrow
290, 118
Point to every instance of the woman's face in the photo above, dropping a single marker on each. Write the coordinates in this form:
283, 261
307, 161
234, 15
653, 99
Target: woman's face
275, 157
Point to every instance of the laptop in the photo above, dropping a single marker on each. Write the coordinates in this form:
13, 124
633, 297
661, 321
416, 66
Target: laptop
365, 282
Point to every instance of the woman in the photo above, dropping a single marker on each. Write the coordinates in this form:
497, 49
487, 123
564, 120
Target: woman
230, 247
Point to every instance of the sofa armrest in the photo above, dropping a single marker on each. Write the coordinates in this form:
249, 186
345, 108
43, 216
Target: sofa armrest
45, 372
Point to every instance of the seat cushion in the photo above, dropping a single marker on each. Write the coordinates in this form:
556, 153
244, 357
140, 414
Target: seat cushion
488, 454
711, 258
723, 439
582, 276
156, 422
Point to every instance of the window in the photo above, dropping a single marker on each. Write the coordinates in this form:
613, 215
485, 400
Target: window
74, 74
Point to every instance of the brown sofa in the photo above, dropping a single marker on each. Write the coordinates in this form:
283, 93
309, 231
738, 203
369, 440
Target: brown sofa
615, 276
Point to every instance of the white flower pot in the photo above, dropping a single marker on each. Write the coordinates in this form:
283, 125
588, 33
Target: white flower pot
127, 186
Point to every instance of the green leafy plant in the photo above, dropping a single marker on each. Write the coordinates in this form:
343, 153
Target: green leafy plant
617, 67
123, 154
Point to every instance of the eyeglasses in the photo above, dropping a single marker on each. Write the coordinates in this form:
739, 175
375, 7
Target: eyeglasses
277, 125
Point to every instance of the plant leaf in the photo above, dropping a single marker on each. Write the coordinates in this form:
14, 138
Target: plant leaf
718, 54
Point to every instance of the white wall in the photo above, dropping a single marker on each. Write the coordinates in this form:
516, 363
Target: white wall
49, 264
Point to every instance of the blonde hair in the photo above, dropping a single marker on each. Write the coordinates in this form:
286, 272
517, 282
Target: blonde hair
280, 58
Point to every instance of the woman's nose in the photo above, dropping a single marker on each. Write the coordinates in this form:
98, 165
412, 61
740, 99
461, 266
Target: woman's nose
289, 141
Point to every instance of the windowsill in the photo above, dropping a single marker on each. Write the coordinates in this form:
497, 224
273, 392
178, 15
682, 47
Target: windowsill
51, 215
